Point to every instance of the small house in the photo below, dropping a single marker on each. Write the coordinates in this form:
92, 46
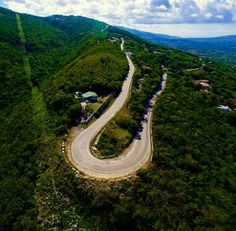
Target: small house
89, 97
204, 86
224, 108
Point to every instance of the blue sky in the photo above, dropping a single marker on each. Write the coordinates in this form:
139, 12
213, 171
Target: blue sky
185, 18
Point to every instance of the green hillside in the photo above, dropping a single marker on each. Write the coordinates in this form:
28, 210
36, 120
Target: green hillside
18, 145
190, 184
25, 125
99, 67
52, 45
75, 26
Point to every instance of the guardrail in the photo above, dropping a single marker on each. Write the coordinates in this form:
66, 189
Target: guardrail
100, 110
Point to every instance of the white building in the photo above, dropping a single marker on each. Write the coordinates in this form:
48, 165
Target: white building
224, 108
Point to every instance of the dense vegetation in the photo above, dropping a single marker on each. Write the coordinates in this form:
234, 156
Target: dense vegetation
195, 151
190, 185
18, 168
47, 47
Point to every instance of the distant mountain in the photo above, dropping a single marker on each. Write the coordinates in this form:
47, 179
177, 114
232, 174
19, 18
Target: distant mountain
219, 49
150, 36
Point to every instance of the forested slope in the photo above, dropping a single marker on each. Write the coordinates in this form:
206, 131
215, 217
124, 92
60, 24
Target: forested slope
26, 127
190, 184
75, 26
17, 140
99, 66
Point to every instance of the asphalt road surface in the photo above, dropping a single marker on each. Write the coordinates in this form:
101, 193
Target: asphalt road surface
135, 157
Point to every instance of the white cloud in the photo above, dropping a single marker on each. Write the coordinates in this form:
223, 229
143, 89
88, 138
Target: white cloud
19, 7
220, 17
132, 12
209, 15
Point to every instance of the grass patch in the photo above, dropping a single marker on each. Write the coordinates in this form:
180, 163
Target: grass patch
101, 35
117, 135
94, 106
20, 29
113, 140
39, 110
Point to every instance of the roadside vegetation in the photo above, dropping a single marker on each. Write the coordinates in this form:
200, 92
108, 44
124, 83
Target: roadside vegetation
123, 128
190, 184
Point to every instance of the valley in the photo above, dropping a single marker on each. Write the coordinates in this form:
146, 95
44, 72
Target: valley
221, 49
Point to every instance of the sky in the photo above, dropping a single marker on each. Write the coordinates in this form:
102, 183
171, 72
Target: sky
184, 18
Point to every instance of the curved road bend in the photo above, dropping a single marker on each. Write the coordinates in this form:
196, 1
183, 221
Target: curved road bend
136, 156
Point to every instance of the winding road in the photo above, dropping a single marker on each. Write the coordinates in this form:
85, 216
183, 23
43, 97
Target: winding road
105, 28
135, 157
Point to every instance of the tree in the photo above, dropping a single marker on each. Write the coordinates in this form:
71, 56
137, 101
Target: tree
74, 113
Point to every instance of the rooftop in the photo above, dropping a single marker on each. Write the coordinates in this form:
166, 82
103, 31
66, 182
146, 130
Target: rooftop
223, 107
89, 94
204, 84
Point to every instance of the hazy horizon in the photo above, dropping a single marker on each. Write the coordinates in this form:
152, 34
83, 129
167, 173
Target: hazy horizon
182, 18
190, 30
